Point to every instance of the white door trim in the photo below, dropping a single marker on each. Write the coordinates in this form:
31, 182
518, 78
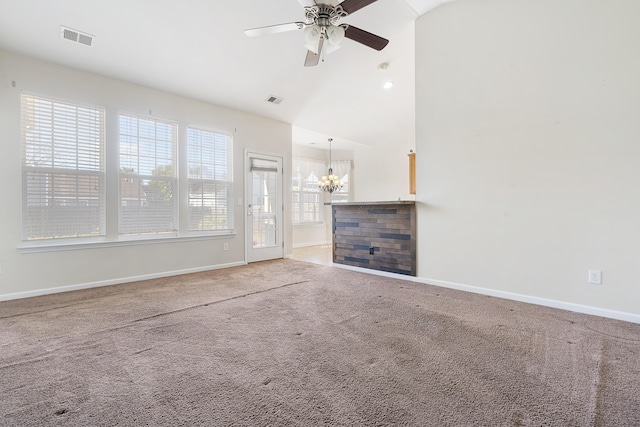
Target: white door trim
279, 157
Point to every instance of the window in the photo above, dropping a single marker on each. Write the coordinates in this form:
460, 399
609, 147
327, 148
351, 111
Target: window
148, 182
342, 168
210, 180
63, 169
64, 181
307, 198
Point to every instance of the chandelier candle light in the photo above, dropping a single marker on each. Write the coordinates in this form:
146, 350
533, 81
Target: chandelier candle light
330, 182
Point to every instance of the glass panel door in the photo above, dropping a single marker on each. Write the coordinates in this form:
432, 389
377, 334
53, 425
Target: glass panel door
264, 209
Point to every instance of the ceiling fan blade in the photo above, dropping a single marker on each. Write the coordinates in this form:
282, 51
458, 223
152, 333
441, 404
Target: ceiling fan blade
272, 29
365, 37
351, 6
312, 59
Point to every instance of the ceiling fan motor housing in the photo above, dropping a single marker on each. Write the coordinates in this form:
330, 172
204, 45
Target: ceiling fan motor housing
324, 15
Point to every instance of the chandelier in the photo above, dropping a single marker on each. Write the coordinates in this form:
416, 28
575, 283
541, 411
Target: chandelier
330, 182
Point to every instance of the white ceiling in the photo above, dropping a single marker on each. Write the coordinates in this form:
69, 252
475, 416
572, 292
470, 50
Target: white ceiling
197, 48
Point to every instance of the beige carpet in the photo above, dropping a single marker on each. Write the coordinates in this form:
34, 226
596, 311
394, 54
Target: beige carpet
292, 343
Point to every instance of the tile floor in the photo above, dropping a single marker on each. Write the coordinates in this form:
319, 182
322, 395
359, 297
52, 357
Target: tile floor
317, 254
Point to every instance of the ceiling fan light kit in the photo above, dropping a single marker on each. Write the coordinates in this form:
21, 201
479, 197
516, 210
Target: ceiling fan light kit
322, 32
335, 34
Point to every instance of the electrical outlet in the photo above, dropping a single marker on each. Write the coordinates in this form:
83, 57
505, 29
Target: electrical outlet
595, 277
225, 246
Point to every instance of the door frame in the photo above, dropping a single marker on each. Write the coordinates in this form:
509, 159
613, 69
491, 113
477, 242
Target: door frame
247, 182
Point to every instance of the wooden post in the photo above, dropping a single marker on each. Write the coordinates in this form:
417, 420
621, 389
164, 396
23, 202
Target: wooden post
412, 173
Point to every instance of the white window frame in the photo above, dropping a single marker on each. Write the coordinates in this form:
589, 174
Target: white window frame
63, 170
40, 198
148, 180
342, 168
210, 164
306, 169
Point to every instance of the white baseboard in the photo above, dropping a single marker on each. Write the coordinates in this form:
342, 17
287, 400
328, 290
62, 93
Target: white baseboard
39, 292
578, 308
304, 245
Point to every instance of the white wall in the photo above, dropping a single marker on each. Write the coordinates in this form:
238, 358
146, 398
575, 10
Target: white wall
381, 172
528, 148
29, 273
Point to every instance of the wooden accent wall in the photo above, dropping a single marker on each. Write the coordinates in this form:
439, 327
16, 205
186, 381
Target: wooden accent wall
379, 236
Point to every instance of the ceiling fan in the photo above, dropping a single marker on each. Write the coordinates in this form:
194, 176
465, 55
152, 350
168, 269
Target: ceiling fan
322, 31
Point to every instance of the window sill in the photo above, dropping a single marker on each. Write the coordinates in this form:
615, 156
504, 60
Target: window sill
49, 246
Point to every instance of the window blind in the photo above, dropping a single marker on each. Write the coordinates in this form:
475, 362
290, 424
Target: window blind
342, 168
210, 180
148, 183
263, 165
63, 169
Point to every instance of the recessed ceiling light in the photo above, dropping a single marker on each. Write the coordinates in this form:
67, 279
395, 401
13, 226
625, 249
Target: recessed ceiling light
383, 66
388, 85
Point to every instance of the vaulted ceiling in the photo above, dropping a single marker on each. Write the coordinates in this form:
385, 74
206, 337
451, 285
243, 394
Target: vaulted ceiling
198, 48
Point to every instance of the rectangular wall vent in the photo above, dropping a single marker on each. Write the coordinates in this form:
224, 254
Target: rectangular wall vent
274, 99
76, 36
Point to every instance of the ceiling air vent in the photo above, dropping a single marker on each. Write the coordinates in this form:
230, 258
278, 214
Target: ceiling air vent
76, 36
274, 99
